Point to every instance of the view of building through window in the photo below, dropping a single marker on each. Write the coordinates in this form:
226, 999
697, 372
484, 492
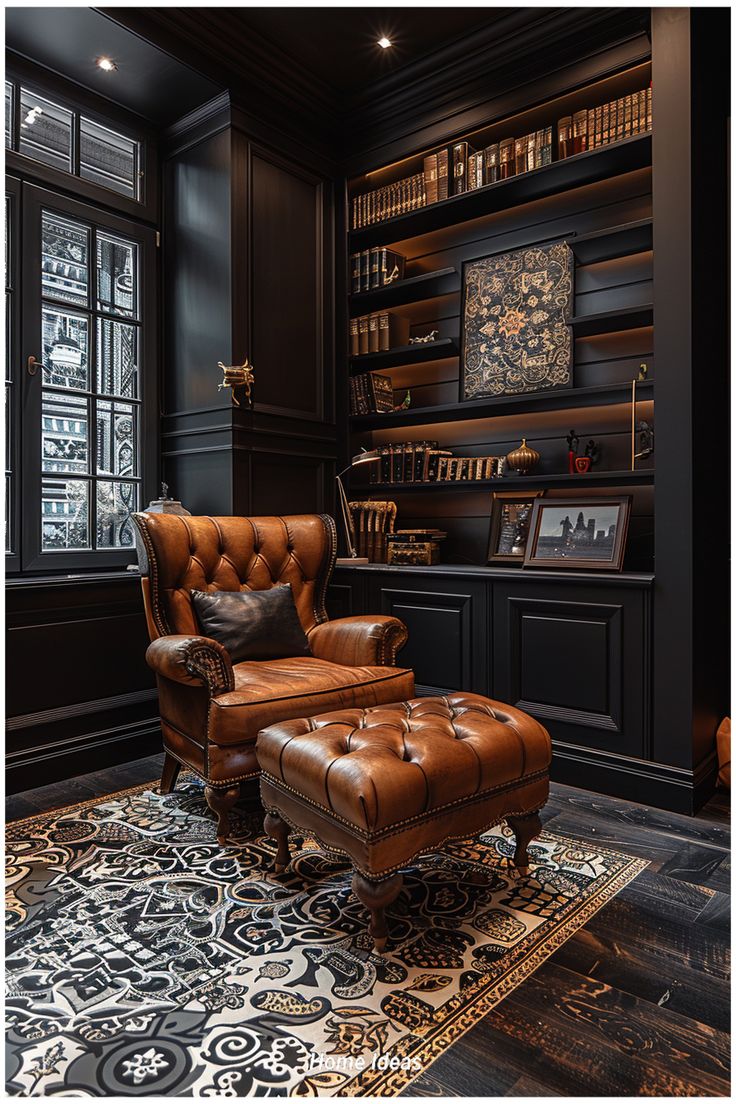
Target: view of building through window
91, 397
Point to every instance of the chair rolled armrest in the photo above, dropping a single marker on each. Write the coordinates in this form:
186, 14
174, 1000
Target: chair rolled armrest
368, 641
193, 661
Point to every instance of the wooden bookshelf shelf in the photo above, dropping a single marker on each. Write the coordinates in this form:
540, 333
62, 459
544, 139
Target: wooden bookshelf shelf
640, 477
572, 172
428, 285
627, 318
569, 398
618, 241
405, 354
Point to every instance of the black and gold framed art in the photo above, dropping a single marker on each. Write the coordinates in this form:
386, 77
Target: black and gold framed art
516, 335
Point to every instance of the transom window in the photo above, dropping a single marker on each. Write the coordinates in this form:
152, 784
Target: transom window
65, 139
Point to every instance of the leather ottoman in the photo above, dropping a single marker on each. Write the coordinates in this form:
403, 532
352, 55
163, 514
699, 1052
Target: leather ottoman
384, 784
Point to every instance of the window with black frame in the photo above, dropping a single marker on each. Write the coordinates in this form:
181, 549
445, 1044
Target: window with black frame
80, 341
90, 412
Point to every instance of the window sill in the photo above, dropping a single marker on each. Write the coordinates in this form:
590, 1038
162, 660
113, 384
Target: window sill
70, 578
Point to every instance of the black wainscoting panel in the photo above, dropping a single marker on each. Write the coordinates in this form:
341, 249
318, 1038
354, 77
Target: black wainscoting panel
447, 646
284, 483
577, 659
286, 286
79, 692
575, 650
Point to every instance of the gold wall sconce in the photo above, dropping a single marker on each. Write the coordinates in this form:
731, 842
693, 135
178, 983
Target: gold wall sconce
237, 375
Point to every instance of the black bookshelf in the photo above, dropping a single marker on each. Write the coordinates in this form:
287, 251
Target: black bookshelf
616, 241
603, 163
427, 285
625, 318
405, 354
640, 477
564, 398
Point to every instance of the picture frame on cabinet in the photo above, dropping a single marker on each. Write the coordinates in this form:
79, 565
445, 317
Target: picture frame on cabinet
578, 533
511, 515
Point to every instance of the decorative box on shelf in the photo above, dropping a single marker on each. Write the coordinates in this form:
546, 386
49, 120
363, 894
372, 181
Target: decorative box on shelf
414, 547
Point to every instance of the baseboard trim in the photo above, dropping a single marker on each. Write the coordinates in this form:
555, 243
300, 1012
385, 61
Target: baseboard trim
45, 763
661, 785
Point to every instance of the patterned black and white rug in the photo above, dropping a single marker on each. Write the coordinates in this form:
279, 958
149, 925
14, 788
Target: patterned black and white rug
145, 960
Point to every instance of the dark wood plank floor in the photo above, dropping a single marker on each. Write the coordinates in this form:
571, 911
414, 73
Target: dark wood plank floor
635, 1004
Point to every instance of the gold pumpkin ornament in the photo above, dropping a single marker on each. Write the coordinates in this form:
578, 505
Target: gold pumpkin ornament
523, 459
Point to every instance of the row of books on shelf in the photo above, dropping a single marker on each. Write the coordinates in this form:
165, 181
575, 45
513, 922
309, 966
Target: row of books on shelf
375, 268
426, 462
377, 332
389, 201
610, 122
371, 393
457, 169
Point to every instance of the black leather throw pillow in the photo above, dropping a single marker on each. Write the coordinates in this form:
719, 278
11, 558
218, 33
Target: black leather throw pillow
252, 624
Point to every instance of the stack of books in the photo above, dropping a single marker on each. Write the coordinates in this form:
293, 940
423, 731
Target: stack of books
388, 202
375, 268
377, 333
610, 122
426, 462
371, 393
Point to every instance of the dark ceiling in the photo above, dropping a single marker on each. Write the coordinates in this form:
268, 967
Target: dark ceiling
339, 45
68, 40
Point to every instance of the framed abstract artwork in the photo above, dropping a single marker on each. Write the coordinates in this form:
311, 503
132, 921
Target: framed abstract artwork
578, 533
516, 335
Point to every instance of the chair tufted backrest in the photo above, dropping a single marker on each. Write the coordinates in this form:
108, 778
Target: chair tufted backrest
233, 553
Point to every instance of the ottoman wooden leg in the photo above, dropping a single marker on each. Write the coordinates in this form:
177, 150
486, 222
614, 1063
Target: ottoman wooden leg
525, 828
377, 896
221, 802
278, 829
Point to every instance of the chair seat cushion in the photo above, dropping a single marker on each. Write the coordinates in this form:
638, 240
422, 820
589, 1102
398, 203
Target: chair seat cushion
275, 690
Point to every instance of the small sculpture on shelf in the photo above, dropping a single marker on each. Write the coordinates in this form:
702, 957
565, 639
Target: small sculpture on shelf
580, 465
523, 459
645, 438
425, 338
406, 403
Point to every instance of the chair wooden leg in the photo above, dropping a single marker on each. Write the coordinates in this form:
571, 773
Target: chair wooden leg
278, 829
170, 773
377, 896
221, 802
525, 828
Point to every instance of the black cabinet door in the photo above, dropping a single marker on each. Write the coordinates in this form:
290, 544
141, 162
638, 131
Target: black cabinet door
578, 659
448, 628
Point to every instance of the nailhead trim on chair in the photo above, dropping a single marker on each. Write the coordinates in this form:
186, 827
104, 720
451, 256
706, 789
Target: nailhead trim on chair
203, 662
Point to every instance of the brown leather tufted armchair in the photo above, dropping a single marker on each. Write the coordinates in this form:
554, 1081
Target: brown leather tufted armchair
212, 710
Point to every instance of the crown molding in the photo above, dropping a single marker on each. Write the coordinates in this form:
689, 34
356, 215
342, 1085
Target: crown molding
271, 89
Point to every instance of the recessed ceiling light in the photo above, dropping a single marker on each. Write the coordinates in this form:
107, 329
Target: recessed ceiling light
106, 63
384, 43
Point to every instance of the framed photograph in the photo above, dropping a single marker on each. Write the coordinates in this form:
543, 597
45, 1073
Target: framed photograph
511, 515
515, 331
578, 533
